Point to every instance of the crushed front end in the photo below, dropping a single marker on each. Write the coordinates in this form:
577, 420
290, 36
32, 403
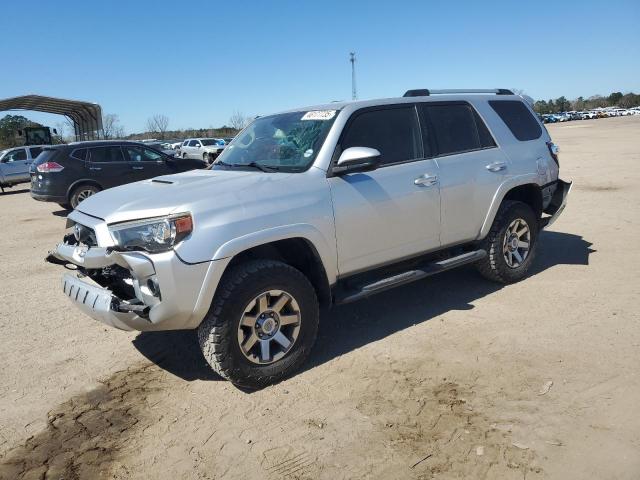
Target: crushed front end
126, 289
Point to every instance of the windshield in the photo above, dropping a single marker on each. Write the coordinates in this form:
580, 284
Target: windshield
286, 142
211, 141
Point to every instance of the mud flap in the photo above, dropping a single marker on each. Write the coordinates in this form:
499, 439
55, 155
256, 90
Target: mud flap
558, 202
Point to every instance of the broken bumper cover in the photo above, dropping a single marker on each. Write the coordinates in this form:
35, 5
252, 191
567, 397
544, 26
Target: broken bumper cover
558, 202
169, 293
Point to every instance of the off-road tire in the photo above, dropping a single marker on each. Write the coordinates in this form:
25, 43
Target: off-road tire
494, 266
77, 191
218, 332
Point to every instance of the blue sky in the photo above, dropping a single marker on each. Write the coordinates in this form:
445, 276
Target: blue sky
198, 62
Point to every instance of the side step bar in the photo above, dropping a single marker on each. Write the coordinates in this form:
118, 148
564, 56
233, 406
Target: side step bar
409, 276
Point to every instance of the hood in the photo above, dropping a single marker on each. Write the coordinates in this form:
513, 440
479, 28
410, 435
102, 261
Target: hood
176, 193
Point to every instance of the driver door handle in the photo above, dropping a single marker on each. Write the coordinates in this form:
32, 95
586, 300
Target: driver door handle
426, 180
497, 166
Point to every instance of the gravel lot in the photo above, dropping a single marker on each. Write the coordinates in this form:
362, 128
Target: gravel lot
446, 378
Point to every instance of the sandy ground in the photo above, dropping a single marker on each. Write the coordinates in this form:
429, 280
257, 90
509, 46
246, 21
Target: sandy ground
447, 378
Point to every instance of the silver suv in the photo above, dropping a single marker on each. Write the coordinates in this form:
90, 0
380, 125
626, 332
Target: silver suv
315, 207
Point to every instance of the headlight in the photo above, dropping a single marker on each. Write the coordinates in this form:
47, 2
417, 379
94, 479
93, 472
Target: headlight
154, 234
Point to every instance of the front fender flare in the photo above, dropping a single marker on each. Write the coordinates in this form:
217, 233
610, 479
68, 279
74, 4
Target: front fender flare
231, 248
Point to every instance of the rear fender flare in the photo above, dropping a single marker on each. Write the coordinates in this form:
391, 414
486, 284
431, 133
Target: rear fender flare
501, 192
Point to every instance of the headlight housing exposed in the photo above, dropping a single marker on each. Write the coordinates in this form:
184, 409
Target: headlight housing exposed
153, 234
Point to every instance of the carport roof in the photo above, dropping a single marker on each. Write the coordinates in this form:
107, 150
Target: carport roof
86, 116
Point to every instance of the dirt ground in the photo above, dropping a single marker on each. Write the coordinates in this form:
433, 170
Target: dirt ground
446, 378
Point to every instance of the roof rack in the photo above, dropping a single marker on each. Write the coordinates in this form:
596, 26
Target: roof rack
426, 92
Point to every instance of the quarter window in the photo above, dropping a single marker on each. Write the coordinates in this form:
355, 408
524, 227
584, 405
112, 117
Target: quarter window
454, 128
80, 154
106, 154
518, 118
394, 132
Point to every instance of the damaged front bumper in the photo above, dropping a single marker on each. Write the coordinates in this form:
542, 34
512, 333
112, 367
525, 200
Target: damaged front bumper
133, 290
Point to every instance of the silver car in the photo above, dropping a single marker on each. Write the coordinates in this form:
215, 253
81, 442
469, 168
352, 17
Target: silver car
15, 163
314, 207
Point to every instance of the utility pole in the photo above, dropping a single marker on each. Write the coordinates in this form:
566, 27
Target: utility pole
352, 59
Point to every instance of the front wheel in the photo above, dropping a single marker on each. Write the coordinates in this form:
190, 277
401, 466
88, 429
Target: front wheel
261, 325
510, 244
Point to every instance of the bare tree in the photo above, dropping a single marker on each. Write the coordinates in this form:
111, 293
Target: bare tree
111, 127
238, 120
158, 124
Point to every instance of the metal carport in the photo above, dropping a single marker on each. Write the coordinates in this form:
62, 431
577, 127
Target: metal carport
85, 116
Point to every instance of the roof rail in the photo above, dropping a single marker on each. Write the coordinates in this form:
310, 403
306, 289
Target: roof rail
425, 92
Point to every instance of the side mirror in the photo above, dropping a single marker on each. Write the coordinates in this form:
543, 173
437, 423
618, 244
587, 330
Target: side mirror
357, 159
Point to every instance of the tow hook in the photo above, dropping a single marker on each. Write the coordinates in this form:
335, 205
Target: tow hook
123, 307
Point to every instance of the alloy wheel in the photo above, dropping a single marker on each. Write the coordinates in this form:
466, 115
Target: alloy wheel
516, 243
269, 327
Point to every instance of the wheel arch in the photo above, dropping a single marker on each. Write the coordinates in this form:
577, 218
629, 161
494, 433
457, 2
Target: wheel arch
525, 189
82, 181
300, 253
278, 242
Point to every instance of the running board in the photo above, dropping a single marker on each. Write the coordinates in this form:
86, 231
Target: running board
409, 276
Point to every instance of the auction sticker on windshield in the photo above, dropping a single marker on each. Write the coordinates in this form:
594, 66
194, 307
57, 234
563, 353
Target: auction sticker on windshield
319, 115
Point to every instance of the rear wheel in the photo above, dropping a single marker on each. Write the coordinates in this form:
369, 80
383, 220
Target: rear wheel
81, 193
261, 325
510, 244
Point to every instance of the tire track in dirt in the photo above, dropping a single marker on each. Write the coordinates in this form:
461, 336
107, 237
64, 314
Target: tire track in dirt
86, 434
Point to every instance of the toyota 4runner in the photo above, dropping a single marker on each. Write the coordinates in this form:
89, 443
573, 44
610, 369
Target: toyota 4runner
315, 207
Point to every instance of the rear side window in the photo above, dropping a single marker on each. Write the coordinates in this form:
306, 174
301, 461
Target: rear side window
35, 151
80, 154
518, 118
393, 132
106, 154
486, 140
454, 128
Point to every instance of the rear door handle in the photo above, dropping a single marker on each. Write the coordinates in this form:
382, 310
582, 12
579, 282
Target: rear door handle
95, 168
497, 166
426, 180
138, 168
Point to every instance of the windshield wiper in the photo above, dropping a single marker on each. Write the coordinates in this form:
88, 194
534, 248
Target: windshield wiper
264, 168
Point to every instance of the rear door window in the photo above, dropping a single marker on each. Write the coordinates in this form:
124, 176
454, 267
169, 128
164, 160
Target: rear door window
394, 132
518, 118
453, 127
35, 151
106, 154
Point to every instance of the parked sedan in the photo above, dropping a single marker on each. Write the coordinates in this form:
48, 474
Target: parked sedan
68, 174
15, 163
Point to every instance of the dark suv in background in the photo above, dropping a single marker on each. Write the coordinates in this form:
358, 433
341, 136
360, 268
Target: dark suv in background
68, 174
